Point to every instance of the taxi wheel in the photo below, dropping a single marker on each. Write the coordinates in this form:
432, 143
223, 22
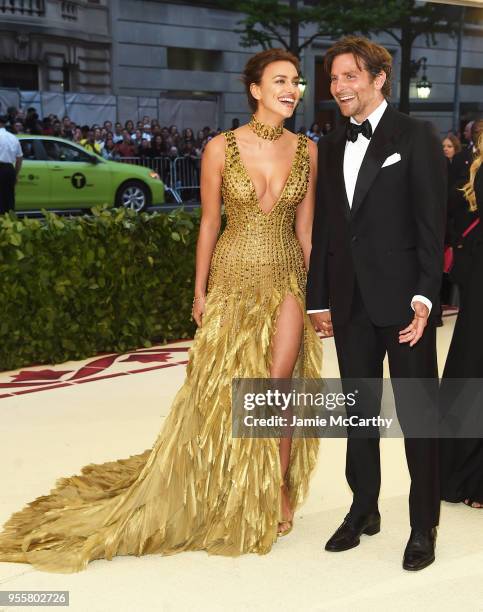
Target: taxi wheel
133, 195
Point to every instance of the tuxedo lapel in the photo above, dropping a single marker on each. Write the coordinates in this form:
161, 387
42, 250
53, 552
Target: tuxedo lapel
381, 143
336, 171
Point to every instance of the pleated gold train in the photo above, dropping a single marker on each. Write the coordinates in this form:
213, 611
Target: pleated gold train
197, 488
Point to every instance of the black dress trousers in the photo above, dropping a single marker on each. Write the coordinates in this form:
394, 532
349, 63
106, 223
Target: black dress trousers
361, 348
7, 187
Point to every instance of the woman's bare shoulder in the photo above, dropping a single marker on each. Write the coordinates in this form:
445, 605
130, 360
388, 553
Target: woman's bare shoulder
216, 144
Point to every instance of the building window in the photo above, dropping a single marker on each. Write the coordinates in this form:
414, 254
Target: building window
65, 78
180, 58
20, 76
472, 76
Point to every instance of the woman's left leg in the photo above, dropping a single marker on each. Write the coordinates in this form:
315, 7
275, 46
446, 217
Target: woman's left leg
284, 352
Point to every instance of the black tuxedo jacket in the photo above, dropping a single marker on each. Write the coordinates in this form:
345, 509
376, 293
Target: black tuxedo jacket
391, 240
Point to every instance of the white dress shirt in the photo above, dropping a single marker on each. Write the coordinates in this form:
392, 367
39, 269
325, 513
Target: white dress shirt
10, 147
353, 156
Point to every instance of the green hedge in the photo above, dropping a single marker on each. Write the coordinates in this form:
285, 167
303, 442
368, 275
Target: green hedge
74, 287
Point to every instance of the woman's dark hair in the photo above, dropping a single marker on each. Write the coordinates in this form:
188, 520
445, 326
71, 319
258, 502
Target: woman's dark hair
373, 57
256, 65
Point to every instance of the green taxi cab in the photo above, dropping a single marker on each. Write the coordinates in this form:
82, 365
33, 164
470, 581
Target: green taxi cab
60, 175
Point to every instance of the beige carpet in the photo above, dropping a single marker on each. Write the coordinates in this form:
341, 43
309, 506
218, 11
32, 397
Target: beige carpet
56, 419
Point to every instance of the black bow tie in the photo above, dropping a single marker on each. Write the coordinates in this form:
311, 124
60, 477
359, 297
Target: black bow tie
353, 130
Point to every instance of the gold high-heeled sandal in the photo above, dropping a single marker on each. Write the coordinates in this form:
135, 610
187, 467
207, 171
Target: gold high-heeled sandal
288, 522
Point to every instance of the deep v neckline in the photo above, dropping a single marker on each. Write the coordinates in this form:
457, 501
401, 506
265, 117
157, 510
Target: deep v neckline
252, 184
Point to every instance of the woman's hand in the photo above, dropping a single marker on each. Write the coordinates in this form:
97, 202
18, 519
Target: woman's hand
198, 309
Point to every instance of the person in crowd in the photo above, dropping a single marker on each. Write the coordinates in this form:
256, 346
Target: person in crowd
118, 137
201, 142
108, 126
57, 129
46, 126
198, 487
11, 157
175, 135
18, 128
327, 128
189, 150
146, 132
188, 136
462, 458
12, 115
157, 146
315, 132
109, 151
451, 146
32, 122
460, 166
460, 216
129, 126
98, 138
85, 129
67, 128
90, 143
77, 135
467, 135
126, 148
137, 137
144, 149
173, 151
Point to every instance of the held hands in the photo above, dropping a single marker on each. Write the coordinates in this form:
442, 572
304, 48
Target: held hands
322, 322
414, 331
198, 309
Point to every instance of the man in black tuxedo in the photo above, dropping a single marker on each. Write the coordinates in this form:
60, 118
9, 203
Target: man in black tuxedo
375, 273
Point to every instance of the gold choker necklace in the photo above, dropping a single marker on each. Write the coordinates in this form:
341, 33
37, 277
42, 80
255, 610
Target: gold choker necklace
267, 132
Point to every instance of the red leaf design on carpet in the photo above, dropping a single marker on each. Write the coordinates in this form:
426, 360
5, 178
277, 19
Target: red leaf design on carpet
160, 357
39, 375
95, 367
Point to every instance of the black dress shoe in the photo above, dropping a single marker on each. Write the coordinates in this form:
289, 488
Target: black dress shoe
349, 533
419, 551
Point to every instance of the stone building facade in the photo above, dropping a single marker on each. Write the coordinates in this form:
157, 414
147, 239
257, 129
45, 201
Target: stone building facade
56, 45
183, 59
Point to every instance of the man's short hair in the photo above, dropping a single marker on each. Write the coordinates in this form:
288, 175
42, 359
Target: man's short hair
369, 55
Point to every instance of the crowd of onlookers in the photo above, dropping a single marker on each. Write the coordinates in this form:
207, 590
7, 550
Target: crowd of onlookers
114, 141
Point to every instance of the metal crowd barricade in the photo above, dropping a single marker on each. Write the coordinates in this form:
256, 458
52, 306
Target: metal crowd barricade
165, 167
187, 177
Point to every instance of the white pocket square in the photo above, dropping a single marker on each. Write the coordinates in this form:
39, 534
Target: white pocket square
392, 159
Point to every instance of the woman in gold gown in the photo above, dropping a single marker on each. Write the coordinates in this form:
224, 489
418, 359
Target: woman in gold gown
198, 488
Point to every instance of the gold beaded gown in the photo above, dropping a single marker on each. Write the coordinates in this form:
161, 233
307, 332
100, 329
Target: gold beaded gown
197, 488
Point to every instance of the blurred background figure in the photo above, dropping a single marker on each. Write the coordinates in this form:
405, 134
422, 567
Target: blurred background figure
451, 146
315, 132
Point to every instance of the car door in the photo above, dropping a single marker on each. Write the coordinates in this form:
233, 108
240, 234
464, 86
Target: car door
79, 179
33, 189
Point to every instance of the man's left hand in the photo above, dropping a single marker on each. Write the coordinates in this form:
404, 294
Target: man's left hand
414, 331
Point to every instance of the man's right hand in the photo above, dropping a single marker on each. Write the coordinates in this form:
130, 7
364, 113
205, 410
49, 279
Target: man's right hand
322, 322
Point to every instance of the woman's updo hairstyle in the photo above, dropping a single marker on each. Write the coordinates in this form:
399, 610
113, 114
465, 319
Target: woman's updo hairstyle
256, 65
